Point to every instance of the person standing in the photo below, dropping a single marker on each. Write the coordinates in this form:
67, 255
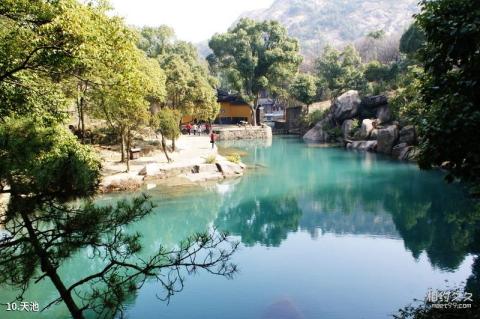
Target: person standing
212, 139
195, 128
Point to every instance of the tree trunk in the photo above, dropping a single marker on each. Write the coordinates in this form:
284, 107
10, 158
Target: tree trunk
254, 109
50, 270
79, 111
173, 145
128, 149
122, 144
82, 117
164, 147
254, 116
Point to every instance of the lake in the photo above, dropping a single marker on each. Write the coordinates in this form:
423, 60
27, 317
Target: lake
324, 232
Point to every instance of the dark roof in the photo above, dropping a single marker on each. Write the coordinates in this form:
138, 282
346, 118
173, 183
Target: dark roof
233, 98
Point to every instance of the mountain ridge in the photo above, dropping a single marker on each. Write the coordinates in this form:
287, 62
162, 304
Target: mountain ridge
316, 23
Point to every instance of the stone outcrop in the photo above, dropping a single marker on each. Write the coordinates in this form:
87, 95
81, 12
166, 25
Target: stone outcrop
221, 169
319, 132
229, 169
347, 126
204, 168
370, 105
370, 146
384, 114
408, 135
346, 106
378, 132
401, 151
366, 129
374, 101
387, 138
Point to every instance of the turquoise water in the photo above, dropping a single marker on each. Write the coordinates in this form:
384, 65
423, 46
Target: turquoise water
324, 232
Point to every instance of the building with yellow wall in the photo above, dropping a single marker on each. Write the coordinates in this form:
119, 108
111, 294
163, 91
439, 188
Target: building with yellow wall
233, 110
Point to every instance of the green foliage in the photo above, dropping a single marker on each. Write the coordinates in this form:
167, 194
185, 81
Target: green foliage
412, 40
211, 159
376, 71
304, 88
39, 46
166, 122
310, 119
234, 158
256, 56
49, 52
451, 86
46, 161
383, 77
341, 71
376, 35
334, 132
189, 88
155, 41
356, 124
407, 104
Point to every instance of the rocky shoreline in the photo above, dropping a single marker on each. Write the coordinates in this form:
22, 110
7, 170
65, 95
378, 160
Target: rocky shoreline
194, 162
365, 124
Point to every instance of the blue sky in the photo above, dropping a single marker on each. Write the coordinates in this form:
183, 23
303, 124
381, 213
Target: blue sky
193, 20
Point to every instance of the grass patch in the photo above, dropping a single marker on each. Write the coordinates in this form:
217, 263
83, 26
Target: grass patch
211, 159
234, 158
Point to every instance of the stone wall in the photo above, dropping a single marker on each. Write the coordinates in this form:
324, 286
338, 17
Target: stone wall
244, 133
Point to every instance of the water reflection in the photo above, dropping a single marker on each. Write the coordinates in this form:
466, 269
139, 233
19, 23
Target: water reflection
333, 191
297, 194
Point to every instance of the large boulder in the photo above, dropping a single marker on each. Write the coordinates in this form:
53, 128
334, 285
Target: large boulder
374, 101
366, 128
319, 132
370, 104
408, 135
400, 151
347, 126
346, 106
387, 138
384, 114
229, 169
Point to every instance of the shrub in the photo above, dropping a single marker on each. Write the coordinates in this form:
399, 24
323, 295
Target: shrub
355, 126
234, 158
309, 120
211, 159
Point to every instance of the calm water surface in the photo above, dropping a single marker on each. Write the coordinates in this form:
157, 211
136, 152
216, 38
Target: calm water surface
325, 233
